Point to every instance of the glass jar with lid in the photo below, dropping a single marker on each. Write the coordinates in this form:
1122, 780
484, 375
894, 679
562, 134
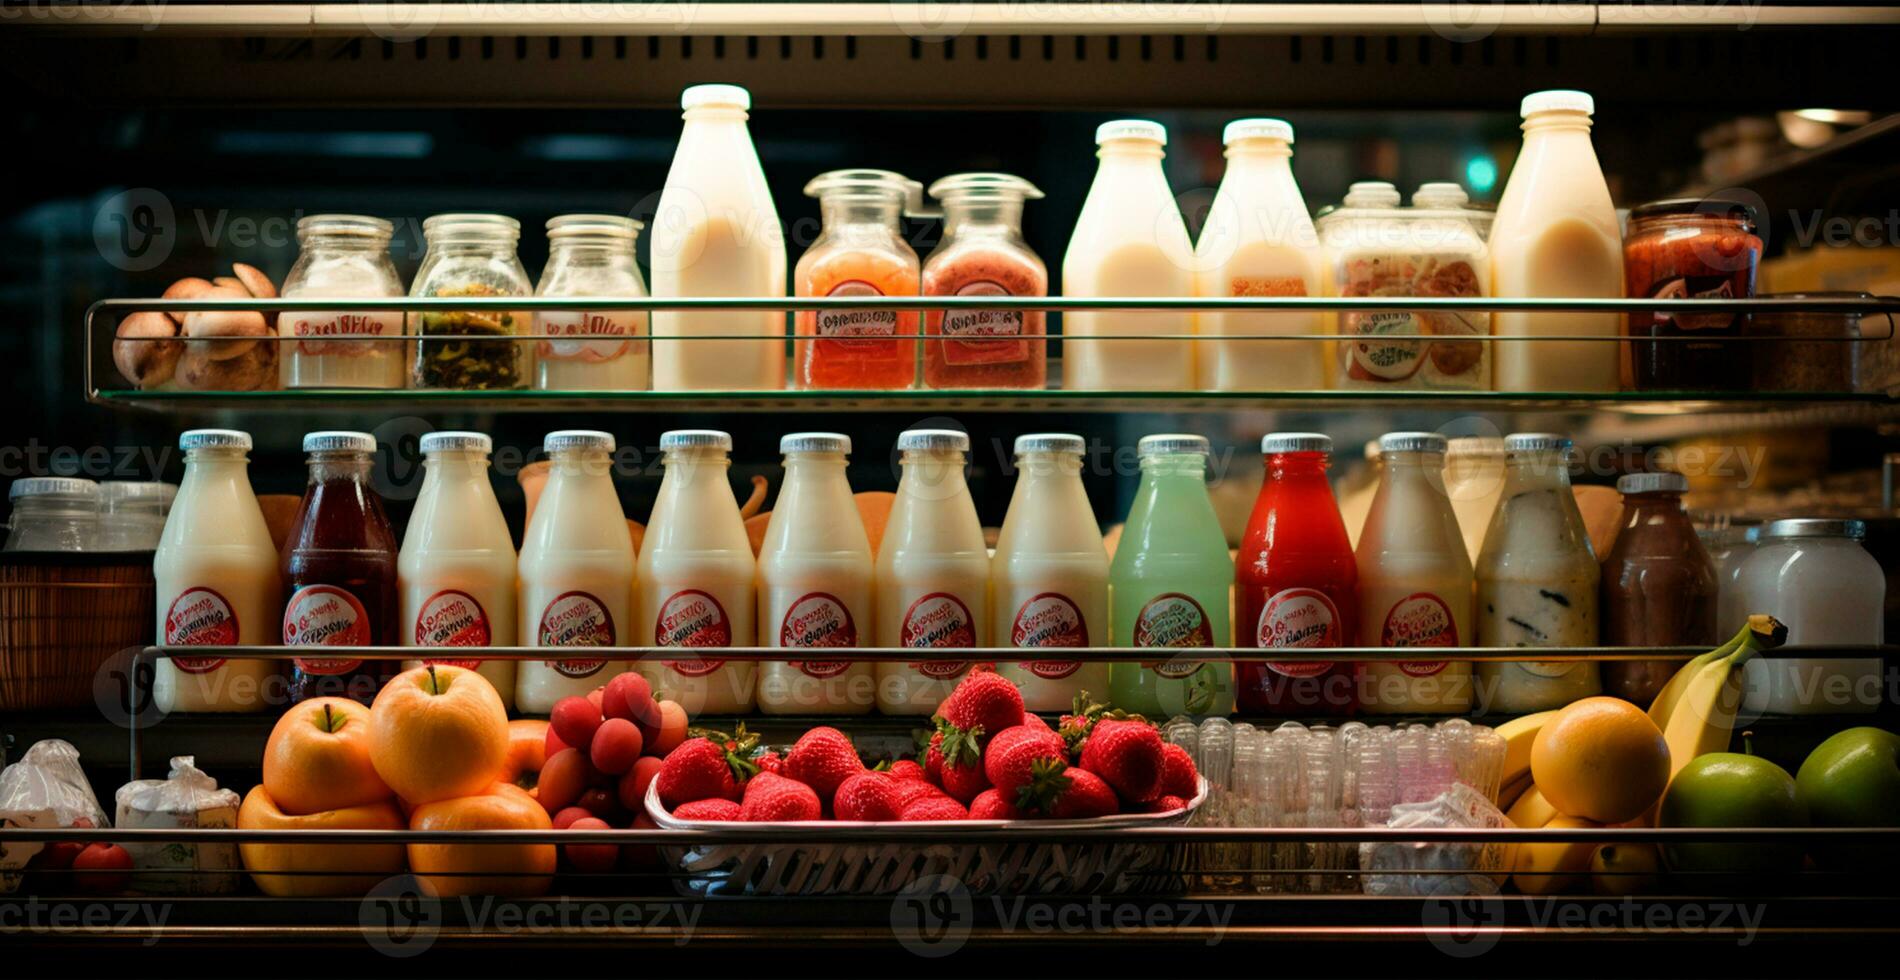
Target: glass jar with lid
342, 256
53, 513
132, 514
1659, 585
1689, 248
860, 251
591, 255
470, 255
1814, 576
982, 253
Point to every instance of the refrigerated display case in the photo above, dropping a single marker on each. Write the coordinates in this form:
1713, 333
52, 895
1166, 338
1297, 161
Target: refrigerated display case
161, 141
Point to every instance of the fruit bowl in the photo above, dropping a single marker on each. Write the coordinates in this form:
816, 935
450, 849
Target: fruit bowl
951, 848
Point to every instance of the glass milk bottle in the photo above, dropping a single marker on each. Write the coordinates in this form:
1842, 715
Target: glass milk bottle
982, 253
860, 251
576, 573
1415, 582
1813, 575
815, 584
1556, 235
1171, 586
1537, 581
457, 563
339, 566
696, 577
716, 233
1474, 480
218, 583
343, 256
1129, 241
1259, 241
600, 350
1050, 574
933, 573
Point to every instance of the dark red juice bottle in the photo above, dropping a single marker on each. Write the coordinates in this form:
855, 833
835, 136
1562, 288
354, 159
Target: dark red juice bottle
339, 565
1295, 583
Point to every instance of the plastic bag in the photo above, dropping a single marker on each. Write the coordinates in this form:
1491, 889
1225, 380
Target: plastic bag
46, 788
189, 798
1429, 868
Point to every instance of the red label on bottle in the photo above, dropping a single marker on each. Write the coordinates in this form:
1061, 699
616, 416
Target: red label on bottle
1303, 618
1173, 619
977, 325
452, 618
817, 619
572, 327
200, 617
324, 615
856, 329
313, 324
938, 620
1419, 620
1050, 619
692, 618
576, 619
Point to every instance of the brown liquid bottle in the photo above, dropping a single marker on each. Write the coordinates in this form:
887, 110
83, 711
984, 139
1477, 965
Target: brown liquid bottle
1658, 585
339, 566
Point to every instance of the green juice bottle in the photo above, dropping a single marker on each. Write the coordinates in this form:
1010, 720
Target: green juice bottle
1170, 586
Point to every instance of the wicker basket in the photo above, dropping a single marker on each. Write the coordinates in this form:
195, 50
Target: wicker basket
64, 615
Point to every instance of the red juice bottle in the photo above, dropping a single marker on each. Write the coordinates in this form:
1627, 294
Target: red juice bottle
1295, 583
339, 565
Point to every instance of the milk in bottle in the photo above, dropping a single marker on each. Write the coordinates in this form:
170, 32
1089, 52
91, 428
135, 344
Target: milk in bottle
815, 575
696, 576
1050, 574
933, 573
218, 581
1415, 583
457, 563
1258, 241
1129, 241
716, 233
1556, 235
576, 573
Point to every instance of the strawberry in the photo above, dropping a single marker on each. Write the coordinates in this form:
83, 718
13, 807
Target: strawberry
701, 769
933, 759
1013, 755
1086, 795
822, 759
1033, 720
774, 798
713, 809
1076, 726
960, 769
866, 796
908, 791
1165, 803
984, 703
1178, 776
906, 769
934, 808
964, 780
768, 761
990, 805
1128, 756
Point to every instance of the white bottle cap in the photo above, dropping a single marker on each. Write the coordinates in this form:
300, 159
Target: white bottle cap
1257, 129
695, 439
1372, 194
1557, 100
438, 442
1816, 527
339, 442
1412, 442
1131, 129
720, 95
44, 486
129, 491
1051, 442
1440, 194
577, 440
814, 442
1295, 442
1652, 483
1536, 442
933, 440
214, 439
1172, 444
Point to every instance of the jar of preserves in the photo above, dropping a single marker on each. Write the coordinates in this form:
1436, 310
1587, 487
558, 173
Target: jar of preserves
1811, 352
599, 350
343, 256
860, 251
983, 253
1689, 248
1658, 584
470, 255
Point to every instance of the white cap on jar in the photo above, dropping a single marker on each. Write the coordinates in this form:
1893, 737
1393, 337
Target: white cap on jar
1557, 100
46, 486
1295, 442
1440, 194
814, 442
339, 442
441, 442
933, 440
578, 440
695, 439
1412, 442
1651, 483
192, 439
1256, 129
720, 95
1371, 194
1131, 129
1172, 444
1051, 442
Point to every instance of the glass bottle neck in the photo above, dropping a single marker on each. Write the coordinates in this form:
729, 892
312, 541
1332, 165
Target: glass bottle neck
455, 464
1296, 465
1174, 466
590, 249
582, 463
984, 217
1537, 471
350, 243
857, 216
330, 467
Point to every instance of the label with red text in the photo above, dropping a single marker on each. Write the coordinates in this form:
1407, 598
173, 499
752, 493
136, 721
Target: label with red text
1420, 620
315, 325
857, 329
324, 615
692, 618
938, 620
576, 619
1298, 618
969, 336
1173, 619
1050, 619
200, 617
574, 330
452, 618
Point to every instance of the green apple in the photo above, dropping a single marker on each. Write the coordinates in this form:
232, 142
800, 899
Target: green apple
1727, 789
1852, 780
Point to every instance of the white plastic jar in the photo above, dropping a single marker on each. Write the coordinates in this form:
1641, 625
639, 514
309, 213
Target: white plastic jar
1813, 575
53, 513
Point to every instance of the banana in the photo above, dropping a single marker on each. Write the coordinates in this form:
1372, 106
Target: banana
1665, 702
1518, 735
1703, 717
1549, 868
1509, 793
1531, 810
1626, 869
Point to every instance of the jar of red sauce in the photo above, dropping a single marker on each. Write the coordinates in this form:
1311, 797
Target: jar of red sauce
1295, 583
861, 251
983, 254
1689, 248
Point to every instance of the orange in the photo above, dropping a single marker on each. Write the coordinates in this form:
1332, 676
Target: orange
306, 870
438, 732
449, 870
1601, 759
317, 758
527, 752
